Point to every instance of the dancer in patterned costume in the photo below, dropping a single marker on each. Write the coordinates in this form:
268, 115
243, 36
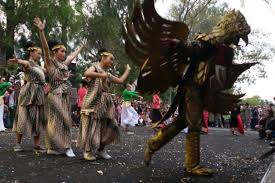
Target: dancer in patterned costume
30, 115
202, 70
98, 126
58, 132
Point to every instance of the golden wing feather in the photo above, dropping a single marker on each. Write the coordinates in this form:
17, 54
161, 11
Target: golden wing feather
143, 34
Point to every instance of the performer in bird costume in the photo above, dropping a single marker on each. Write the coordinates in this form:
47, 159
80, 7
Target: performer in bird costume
201, 71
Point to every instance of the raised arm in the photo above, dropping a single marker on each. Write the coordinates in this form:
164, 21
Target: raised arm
124, 76
24, 63
45, 47
73, 55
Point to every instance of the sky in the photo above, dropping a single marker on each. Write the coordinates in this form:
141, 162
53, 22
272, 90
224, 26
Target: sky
259, 16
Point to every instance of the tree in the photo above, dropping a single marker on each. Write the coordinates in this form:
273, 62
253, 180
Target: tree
254, 100
62, 19
100, 21
259, 51
199, 15
103, 29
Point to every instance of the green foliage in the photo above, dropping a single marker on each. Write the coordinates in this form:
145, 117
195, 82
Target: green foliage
71, 21
199, 15
253, 101
100, 21
63, 20
8, 70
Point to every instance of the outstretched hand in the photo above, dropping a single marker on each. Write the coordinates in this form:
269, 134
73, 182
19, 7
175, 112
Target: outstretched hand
39, 24
128, 67
13, 61
84, 43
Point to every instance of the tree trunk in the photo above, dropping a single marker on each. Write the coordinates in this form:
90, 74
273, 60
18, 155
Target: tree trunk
64, 27
64, 35
11, 24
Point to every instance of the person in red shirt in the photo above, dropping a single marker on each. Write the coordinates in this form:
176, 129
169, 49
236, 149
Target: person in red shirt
155, 114
82, 91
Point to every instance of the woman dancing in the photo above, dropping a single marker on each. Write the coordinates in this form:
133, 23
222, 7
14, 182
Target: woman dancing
129, 116
30, 115
58, 131
98, 126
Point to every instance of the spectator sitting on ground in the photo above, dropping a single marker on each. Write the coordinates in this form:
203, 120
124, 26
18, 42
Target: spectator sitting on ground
263, 125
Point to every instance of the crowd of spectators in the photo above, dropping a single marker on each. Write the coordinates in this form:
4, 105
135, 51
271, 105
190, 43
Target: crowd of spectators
260, 118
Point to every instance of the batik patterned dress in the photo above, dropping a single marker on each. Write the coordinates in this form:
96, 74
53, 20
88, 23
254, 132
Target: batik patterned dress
58, 133
98, 126
30, 117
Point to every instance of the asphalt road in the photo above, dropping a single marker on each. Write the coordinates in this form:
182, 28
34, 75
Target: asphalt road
234, 159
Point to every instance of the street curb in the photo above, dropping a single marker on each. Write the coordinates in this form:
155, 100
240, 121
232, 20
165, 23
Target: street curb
269, 176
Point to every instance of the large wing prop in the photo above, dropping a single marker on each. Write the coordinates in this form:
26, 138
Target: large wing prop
143, 33
216, 100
